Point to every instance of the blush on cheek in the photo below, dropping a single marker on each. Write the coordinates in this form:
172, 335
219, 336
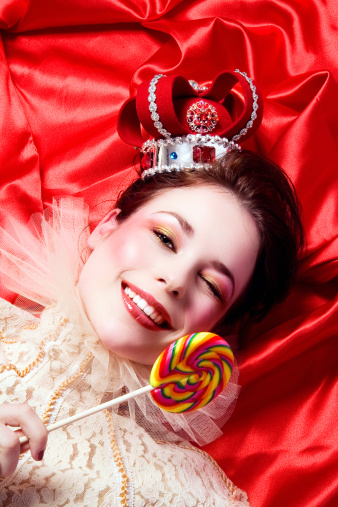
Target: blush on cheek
128, 254
208, 316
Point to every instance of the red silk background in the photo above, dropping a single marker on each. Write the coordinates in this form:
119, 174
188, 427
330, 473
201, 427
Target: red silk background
67, 67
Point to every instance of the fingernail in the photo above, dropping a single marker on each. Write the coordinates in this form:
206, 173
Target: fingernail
40, 455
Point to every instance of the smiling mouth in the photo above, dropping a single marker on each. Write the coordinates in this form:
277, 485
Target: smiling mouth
146, 308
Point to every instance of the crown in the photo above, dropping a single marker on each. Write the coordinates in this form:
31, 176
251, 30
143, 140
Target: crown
189, 126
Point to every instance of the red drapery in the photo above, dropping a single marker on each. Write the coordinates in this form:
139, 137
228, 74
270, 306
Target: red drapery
67, 67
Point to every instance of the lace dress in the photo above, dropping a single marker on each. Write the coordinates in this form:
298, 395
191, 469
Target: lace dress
133, 455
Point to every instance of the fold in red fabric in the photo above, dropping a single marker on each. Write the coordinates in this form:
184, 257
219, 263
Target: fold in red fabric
66, 69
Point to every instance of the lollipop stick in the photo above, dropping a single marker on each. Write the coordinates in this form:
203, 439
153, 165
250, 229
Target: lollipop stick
178, 365
94, 410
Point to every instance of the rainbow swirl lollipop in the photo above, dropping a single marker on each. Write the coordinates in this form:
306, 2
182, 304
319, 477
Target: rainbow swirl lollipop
191, 372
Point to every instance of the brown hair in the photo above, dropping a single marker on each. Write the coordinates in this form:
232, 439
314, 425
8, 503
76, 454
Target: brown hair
267, 193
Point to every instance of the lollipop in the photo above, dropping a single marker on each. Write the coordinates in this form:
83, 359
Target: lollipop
191, 372
186, 376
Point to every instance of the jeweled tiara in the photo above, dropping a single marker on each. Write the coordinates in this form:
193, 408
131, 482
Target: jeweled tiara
190, 126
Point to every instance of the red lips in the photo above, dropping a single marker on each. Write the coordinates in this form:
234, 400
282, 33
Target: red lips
138, 314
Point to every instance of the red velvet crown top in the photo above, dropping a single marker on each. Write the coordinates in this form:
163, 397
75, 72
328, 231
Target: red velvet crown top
175, 95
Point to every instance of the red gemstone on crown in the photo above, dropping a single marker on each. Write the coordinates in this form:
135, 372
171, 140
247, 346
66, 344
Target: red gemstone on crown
146, 160
202, 117
203, 154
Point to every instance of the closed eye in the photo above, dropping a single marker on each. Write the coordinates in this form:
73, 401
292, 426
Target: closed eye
213, 288
165, 237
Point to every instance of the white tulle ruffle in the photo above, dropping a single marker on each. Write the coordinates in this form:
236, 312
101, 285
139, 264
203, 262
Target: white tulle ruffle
41, 262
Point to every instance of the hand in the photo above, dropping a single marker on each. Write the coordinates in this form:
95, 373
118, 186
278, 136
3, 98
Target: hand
31, 425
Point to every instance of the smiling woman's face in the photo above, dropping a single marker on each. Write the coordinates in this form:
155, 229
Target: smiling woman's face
172, 268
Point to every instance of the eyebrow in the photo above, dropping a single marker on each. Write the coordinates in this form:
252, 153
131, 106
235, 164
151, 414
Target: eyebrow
188, 229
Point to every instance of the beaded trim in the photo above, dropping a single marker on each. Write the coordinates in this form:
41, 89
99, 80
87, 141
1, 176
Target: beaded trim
153, 107
41, 353
254, 107
63, 386
233, 490
10, 341
118, 459
156, 118
174, 168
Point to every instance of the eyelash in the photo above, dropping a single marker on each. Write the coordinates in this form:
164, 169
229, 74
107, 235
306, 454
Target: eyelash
214, 289
165, 238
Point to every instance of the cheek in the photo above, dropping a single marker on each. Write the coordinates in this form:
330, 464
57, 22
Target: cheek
204, 315
130, 250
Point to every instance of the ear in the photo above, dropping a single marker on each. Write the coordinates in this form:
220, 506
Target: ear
107, 225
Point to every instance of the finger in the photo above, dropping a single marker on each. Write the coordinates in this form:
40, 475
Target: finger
9, 451
23, 447
30, 423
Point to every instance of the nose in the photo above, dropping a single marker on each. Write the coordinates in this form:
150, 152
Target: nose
175, 280
177, 290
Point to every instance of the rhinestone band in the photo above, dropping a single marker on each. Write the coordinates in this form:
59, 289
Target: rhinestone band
194, 139
153, 107
187, 153
174, 168
254, 107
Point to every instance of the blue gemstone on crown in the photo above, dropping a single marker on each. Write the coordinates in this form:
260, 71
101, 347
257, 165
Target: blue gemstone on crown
173, 155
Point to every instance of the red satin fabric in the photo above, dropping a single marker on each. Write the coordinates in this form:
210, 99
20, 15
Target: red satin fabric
66, 69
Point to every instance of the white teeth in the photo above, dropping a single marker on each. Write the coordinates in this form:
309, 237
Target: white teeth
129, 292
148, 310
144, 306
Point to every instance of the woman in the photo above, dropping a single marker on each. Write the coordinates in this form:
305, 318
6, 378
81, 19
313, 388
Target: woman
181, 252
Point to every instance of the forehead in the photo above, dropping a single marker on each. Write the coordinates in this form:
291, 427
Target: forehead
201, 203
